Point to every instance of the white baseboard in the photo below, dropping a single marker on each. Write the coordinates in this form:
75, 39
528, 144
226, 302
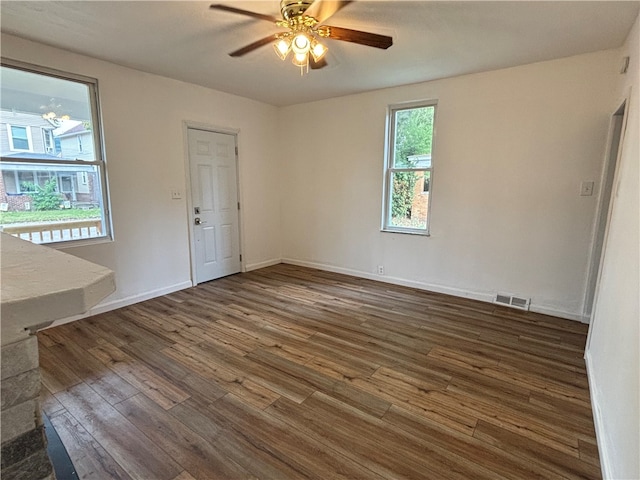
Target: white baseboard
266, 263
605, 463
554, 312
431, 287
457, 292
123, 302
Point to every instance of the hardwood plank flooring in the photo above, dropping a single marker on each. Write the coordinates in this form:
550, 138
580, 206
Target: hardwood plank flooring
289, 372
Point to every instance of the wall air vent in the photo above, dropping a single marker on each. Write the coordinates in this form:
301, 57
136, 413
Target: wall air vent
512, 301
504, 299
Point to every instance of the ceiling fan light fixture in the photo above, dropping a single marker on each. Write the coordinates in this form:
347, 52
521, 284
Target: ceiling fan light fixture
300, 59
303, 24
282, 47
318, 50
301, 43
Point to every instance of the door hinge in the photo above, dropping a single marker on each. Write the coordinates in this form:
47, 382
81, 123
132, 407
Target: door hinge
238, 205
240, 257
236, 150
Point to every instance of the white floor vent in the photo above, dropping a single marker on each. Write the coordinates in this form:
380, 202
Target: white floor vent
512, 301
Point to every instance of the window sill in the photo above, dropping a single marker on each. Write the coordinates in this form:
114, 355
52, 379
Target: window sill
80, 242
405, 231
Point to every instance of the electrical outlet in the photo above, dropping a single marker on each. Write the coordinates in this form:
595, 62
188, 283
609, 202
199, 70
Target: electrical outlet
380, 270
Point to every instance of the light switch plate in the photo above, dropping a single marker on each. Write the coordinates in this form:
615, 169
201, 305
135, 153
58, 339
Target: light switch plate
176, 194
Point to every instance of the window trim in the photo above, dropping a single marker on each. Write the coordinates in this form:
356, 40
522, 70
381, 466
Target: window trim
389, 169
98, 144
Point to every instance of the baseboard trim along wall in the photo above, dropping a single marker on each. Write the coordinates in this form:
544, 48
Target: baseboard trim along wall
266, 263
554, 312
107, 306
431, 287
456, 292
605, 462
124, 302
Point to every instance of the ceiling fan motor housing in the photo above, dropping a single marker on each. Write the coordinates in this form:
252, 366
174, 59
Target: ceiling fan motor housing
294, 8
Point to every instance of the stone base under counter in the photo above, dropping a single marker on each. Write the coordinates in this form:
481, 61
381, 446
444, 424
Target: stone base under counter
24, 444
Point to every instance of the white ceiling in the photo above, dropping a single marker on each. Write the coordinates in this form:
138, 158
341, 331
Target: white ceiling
186, 40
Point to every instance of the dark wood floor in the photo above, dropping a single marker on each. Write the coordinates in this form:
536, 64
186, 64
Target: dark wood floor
288, 372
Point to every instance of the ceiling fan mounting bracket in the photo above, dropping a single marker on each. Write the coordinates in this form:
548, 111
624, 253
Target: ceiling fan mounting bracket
298, 23
294, 8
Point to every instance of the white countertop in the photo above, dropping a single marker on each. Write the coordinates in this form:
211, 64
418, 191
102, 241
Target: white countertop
40, 285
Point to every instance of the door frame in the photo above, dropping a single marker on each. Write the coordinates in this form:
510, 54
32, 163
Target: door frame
603, 218
186, 125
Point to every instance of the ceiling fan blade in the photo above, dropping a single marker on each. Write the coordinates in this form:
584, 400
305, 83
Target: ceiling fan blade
317, 65
356, 36
253, 46
261, 16
321, 10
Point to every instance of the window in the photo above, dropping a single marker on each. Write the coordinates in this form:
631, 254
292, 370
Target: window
19, 138
47, 138
52, 168
26, 182
408, 178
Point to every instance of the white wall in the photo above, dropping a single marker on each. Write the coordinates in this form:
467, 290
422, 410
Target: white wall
612, 352
143, 118
511, 148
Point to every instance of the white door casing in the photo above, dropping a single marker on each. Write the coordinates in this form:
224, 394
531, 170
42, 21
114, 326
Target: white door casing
617, 127
214, 199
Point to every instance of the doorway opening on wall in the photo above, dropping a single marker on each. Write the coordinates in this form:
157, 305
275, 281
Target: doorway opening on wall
214, 215
617, 127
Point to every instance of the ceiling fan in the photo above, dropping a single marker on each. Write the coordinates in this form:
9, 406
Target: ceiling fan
303, 24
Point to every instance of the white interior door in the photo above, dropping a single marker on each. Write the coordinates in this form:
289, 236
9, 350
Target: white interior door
214, 195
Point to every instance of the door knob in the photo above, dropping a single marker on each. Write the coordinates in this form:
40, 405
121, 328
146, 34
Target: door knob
197, 221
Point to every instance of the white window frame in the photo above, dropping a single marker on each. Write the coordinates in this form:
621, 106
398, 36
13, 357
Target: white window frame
389, 168
47, 139
99, 157
10, 135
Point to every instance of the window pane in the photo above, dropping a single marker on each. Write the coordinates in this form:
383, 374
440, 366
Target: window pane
413, 130
52, 107
408, 167
26, 181
409, 202
426, 182
55, 202
20, 138
52, 190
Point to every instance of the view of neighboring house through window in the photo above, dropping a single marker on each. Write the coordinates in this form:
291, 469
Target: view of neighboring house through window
52, 171
408, 168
